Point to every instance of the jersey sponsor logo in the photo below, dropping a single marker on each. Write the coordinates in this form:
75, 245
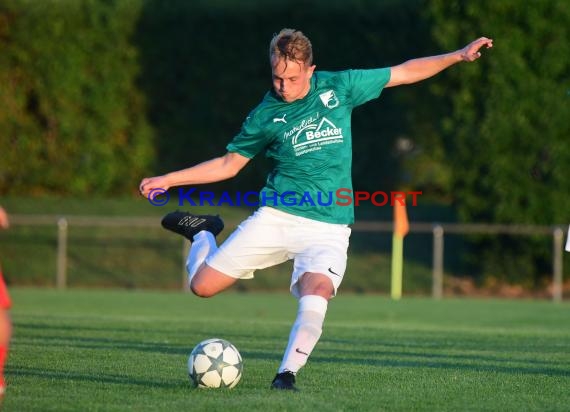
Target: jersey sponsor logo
324, 130
280, 119
329, 99
301, 126
314, 136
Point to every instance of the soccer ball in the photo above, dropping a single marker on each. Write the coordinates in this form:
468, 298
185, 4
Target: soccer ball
215, 363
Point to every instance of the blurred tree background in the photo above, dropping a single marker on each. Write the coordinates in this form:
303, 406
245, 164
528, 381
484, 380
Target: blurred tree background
72, 119
96, 94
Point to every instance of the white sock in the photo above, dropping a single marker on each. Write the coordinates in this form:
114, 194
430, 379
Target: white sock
204, 245
305, 332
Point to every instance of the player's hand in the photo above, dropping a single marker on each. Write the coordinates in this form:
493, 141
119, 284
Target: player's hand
471, 52
4, 221
153, 186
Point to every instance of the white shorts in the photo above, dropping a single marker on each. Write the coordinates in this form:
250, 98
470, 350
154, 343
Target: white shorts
270, 237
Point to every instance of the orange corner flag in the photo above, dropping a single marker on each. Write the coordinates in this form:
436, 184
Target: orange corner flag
401, 229
401, 224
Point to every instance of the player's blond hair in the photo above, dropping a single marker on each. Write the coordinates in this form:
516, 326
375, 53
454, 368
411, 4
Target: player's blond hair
291, 44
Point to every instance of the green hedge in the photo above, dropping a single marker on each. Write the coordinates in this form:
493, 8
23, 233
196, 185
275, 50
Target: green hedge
73, 119
506, 126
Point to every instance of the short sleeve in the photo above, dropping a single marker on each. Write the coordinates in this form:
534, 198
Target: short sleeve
250, 140
366, 85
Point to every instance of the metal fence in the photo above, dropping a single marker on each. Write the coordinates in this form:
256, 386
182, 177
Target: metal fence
438, 231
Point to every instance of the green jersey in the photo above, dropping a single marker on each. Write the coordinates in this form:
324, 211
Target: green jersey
310, 141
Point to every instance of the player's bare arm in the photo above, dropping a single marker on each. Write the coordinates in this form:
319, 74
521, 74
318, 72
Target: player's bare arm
210, 171
415, 70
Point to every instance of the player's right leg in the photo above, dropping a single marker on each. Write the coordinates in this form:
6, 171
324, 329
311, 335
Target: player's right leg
201, 230
208, 282
189, 225
257, 243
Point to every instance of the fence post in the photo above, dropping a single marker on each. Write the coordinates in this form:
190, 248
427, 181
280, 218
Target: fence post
437, 287
557, 246
61, 275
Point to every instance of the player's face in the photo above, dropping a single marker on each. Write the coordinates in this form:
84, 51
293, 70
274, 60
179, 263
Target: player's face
291, 79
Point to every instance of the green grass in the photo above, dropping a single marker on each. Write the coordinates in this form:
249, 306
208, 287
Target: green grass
109, 350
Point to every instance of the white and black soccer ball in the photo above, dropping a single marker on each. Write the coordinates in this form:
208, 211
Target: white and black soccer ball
215, 363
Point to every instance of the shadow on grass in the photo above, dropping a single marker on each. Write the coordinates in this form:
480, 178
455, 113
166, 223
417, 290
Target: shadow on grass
146, 345
475, 363
391, 357
102, 378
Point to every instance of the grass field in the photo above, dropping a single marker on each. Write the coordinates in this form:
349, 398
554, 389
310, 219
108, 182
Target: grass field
110, 350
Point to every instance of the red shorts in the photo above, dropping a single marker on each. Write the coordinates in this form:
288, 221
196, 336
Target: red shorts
5, 302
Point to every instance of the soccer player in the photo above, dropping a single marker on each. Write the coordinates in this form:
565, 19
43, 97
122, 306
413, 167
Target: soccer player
303, 124
5, 322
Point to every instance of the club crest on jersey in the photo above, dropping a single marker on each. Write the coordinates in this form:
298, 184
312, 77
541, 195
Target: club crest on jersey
329, 99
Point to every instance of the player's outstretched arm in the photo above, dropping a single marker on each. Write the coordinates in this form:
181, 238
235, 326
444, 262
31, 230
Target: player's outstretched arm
214, 170
415, 70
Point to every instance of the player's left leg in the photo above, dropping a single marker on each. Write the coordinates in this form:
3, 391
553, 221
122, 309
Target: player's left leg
320, 262
315, 290
5, 330
5, 334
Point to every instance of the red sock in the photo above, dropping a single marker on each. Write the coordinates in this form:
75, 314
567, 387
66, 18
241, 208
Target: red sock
3, 356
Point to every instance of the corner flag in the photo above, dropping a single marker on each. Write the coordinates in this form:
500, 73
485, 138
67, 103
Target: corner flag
401, 224
401, 229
